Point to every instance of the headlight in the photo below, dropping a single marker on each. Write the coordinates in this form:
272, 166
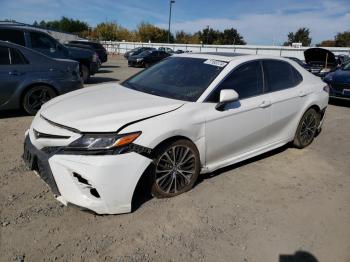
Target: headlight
139, 59
103, 141
325, 70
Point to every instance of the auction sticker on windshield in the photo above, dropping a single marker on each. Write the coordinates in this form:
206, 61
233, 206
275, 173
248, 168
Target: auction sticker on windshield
215, 63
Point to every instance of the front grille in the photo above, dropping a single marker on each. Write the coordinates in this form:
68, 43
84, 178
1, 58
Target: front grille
36, 159
38, 135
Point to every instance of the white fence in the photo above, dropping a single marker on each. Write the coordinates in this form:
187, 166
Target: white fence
122, 47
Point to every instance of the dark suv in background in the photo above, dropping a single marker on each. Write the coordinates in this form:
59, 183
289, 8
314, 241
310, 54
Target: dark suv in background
96, 46
28, 78
44, 43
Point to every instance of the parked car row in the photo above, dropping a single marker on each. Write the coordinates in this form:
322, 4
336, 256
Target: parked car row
35, 67
334, 70
146, 56
46, 44
28, 78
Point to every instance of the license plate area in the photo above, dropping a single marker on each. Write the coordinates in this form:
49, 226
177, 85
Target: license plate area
346, 92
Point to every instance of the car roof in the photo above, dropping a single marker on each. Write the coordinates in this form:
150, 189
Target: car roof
228, 57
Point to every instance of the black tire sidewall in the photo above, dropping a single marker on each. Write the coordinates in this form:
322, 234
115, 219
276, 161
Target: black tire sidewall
24, 99
156, 191
297, 140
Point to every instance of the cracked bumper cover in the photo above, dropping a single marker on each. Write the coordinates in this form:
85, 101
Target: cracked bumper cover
113, 176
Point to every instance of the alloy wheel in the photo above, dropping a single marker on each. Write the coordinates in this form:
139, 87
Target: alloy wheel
308, 129
175, 169
36, 97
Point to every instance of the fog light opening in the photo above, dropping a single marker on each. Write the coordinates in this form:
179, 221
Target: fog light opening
94, 192
81, 179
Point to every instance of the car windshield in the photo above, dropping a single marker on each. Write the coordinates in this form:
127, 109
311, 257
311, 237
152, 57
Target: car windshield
177, 77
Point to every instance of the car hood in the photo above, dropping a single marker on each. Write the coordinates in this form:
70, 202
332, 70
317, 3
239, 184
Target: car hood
313, 55
105, 108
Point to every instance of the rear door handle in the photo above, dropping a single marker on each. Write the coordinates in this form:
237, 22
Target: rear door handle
265, 104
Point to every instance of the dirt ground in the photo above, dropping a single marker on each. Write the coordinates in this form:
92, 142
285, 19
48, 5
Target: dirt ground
264, 209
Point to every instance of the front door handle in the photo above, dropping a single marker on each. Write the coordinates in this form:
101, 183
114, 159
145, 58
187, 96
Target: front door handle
265, 104
13, 73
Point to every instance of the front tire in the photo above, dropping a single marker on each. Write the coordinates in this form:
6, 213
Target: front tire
307, 129
177, 166
35, 97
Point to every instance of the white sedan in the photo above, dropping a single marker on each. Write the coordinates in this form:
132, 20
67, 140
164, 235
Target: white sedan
188, 114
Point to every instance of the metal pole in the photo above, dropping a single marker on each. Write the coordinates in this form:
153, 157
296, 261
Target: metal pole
208, 36
170, 3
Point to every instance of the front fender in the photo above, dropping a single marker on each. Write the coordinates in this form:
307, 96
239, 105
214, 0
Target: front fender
181, 122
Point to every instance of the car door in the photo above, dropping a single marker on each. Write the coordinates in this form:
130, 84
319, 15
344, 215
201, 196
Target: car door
45, 44
288, 94
11, 72
156, 56
240, 129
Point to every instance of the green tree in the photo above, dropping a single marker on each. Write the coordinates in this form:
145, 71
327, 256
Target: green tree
147, 32
227, 37
327, 43
343, 39
231, 37
302, 35
64, 24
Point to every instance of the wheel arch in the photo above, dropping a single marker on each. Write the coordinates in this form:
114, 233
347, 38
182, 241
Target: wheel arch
31, 85
142, 190
172, 139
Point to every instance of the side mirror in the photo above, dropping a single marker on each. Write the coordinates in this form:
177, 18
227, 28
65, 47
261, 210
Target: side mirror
226, 96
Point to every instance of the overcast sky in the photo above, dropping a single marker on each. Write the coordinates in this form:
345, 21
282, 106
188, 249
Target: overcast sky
259, 21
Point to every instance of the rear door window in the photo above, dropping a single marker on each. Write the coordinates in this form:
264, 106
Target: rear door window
13, 36
280, 75
4, 56
42, 41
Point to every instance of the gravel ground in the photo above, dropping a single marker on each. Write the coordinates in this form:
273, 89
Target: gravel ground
265, 209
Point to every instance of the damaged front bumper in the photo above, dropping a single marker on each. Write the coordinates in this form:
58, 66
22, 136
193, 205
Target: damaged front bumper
104, 184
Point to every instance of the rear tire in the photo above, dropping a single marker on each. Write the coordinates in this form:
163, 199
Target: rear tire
84, 73
35, 97
177, 166
307, 129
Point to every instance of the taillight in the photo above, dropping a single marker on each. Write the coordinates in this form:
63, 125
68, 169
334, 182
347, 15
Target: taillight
95, 57
326, 88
